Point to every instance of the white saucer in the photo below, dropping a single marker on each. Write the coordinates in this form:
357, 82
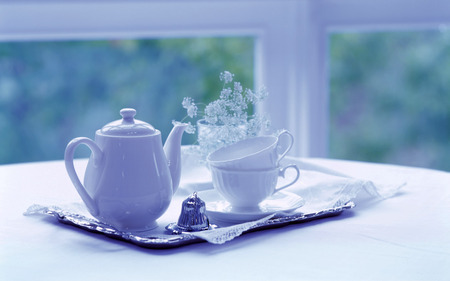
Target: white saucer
219, 209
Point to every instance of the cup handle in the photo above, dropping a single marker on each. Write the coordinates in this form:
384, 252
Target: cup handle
281, 173
291, 143
68, 160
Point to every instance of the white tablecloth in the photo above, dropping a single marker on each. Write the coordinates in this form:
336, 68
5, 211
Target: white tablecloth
406, 237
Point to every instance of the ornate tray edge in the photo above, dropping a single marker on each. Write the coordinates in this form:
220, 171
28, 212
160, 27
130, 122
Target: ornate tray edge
172, 241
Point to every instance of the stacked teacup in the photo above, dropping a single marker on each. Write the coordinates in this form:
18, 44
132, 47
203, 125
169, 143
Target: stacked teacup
246, 172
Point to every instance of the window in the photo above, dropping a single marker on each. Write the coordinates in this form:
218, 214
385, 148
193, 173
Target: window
340, 20
291, 40
390, 97
54, 91
270, 23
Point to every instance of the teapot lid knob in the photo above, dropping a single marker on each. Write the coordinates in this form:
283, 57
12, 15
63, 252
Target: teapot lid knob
128, 126
128, 114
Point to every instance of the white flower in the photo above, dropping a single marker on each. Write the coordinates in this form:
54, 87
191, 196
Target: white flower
255, 97
226, 77
228, 114
237, 88
190, 106
225, 93
187, 101
192, 110
250, 96
216, 111
262, 93
238, 103
190, 129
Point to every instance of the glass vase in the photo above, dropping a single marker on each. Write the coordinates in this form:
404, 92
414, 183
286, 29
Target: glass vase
212, 136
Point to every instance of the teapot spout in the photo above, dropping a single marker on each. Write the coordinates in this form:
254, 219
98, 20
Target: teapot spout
172, 149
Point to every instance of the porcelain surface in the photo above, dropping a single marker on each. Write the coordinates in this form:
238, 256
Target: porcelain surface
246, 189
256, 153
219, 209
130, 178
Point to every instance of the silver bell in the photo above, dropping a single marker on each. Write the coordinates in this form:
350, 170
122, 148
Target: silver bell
193, 216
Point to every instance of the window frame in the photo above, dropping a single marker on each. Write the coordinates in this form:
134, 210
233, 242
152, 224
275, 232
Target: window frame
359, 16
291, 53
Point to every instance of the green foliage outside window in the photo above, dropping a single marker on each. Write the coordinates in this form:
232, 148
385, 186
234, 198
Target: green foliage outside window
51, 92
390, 97
389, 91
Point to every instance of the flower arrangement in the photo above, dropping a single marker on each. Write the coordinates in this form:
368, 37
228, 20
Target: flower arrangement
226, 120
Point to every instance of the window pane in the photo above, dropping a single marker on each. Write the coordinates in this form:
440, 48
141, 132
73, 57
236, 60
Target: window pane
51, 92
390, 97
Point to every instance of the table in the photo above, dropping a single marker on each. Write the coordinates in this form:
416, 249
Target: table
405, 237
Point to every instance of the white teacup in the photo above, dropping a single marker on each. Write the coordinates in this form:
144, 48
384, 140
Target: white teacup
257, 153
246, 189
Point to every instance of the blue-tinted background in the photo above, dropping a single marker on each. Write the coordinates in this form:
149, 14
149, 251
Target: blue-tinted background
51, 92
390, 97
389, 91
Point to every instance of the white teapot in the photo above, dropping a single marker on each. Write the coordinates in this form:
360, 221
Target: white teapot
130, 178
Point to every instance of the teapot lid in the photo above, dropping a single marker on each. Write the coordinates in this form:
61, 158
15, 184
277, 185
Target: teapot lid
128, 126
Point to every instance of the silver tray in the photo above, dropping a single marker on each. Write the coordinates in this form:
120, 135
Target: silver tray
165, 241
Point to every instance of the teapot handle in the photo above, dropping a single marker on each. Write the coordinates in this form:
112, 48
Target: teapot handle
68, 159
